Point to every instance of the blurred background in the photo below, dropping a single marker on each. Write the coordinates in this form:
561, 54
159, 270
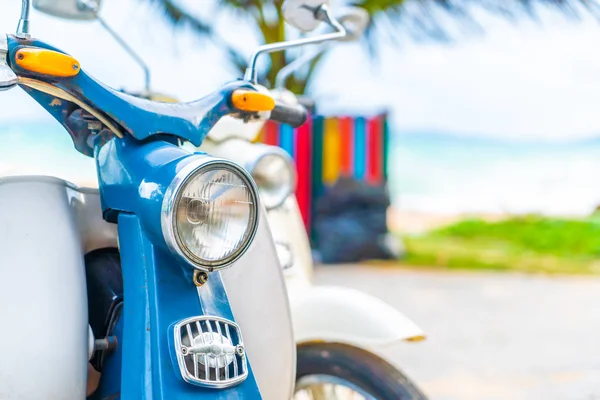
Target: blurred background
492, 152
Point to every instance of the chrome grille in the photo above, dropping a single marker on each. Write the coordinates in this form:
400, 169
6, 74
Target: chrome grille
210, 352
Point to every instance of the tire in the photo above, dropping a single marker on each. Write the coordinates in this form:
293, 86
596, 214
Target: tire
363, 372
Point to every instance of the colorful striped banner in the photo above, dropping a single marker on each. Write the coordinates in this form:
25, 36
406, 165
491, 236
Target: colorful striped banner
346, 126
317, 156
286, 139
374, 170
304, 160
386, 146
327, 148
272, 134
331, 153
360, 148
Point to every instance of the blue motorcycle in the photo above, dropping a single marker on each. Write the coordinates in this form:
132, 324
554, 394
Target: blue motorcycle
129, 280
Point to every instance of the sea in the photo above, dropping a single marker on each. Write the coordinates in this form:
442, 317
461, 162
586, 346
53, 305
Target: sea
43, 148
450, 174
428, 172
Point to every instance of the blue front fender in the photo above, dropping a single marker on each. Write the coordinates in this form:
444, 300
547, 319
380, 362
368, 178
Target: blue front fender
159, 292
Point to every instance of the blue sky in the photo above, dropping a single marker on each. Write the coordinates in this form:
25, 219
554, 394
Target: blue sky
531, 82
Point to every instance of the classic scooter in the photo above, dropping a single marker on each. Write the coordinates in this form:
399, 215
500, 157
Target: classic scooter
337, 329
132, 276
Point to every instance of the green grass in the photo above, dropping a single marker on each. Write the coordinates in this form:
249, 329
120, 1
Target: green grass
527, 244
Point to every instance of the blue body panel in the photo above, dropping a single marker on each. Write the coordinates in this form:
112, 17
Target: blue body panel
159, 292
134, 176
139, 117
158, 289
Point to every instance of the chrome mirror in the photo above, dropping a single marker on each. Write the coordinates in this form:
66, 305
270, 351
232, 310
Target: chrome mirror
320, 13
302, 14
69, 9
355, 20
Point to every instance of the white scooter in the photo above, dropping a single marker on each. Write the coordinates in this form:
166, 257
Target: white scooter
336, 329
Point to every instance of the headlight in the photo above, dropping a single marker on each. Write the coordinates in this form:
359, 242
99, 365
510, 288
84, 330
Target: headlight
210, 213
274, 173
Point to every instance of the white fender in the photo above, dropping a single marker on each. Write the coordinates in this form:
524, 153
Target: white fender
342, 315
257, 295
45, 343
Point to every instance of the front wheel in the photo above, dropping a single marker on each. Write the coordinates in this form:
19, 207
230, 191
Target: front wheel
336, 371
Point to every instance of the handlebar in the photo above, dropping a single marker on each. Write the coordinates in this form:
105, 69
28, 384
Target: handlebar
255, 102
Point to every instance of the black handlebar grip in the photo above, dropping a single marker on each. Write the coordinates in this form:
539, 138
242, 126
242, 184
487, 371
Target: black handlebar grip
292, 115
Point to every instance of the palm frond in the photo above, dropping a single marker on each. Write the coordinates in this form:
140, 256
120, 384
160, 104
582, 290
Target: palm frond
430, 20
419, 20
178, 16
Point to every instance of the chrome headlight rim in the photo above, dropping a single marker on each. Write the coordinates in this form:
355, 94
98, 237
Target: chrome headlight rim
269, 151
172, 199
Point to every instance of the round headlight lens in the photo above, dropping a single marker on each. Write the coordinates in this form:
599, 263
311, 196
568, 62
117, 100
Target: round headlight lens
215, 215
275, 177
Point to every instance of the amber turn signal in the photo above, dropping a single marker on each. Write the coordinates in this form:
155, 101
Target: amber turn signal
246, 100
47, 62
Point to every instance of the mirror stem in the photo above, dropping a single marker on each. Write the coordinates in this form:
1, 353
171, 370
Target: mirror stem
23, 27
131, 52
285, 72
322, 13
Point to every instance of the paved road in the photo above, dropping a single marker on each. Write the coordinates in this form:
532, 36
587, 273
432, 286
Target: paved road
491, 336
